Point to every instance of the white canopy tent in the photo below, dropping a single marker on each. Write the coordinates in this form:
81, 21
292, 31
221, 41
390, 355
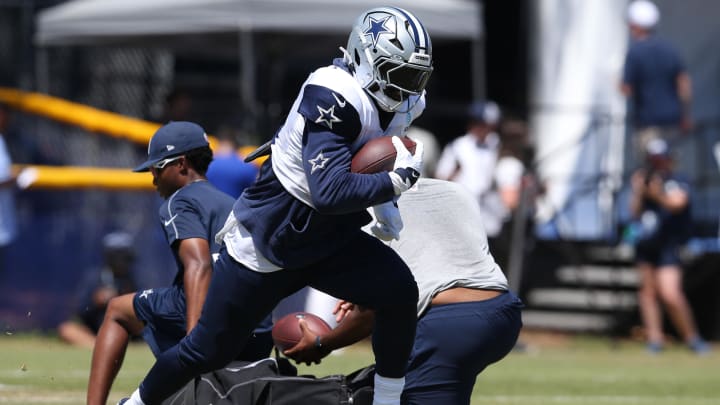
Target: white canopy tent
86, 22
211, 25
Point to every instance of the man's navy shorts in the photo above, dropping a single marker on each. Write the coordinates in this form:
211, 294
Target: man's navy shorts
163, 312
454, 343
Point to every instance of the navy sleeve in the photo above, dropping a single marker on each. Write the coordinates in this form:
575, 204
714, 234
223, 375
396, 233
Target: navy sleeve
678, 63
330, 110
630, 69
331, 126
181, 219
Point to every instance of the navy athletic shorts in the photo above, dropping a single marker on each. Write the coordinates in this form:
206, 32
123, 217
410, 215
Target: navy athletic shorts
660, 252
454, 343
163, 312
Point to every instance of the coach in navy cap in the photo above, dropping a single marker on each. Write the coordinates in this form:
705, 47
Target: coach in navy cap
171, 141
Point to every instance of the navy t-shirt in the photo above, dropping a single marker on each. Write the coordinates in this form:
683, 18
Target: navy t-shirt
669, 225
197, 210
652, 66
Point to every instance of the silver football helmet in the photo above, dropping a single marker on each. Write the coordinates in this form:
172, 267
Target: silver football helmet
390, 54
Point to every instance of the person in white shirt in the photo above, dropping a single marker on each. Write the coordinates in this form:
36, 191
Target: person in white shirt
471, 159
467, 317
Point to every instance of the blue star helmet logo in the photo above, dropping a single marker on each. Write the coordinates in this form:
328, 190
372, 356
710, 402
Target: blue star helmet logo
376, 28
327, 116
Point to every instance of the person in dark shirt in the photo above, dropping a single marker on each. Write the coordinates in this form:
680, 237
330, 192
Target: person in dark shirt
114, 278
655, 79
192, 213
660, 203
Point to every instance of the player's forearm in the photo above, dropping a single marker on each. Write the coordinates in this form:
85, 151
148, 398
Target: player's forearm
333, 189
196, 283
356, 326
349, 192
636, 204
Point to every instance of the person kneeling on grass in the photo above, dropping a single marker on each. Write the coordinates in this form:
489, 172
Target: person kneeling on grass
192, 213
467, 317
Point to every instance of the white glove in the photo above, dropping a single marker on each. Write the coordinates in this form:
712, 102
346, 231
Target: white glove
406, 170
388, 222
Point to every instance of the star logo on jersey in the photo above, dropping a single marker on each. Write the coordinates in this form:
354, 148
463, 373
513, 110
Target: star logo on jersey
318, 162
327, 116
146, 293
376, 28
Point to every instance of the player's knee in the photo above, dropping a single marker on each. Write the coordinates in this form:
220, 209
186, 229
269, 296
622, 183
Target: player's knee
120, 310
205, 358
117, 309
671, 297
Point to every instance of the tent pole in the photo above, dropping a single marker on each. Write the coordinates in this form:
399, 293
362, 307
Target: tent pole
478, 58
247, 78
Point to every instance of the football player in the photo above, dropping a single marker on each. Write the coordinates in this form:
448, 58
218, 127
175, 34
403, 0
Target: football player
300, 223
192, 213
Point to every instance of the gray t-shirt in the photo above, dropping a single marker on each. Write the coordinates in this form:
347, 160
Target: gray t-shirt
443, 240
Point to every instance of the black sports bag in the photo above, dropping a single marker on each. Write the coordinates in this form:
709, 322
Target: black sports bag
274, 381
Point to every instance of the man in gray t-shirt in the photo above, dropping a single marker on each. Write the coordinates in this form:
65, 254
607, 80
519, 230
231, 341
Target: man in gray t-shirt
467, 317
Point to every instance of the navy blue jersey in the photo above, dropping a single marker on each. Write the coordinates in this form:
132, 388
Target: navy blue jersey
197, 210
306, 202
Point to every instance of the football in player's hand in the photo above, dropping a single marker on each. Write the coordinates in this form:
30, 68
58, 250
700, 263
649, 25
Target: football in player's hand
378, 155
286, 332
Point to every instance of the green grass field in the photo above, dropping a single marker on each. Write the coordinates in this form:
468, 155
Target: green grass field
38, 370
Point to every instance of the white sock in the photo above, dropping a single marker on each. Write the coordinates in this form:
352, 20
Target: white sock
388, 390
135, 398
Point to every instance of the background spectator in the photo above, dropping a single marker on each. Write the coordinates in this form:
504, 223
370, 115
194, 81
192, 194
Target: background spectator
660, 201
655, 78
114, 278
471, 160
178, 106
228, 172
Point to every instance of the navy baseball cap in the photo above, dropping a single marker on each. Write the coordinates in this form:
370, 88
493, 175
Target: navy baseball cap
484, 111
173, 139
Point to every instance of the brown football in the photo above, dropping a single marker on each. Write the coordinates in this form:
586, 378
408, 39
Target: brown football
286, 332
378, 155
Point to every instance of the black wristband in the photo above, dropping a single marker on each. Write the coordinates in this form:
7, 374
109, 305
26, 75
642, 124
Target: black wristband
319, 346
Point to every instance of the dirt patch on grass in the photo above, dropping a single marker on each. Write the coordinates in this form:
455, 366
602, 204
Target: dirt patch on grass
544, 338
